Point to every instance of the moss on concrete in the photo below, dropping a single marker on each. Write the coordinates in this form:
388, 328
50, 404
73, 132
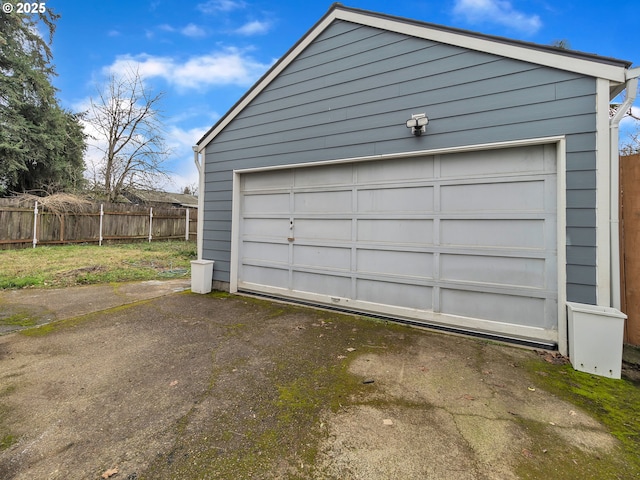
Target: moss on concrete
6, 441
57, 325
280, 437
20, 319
614, 403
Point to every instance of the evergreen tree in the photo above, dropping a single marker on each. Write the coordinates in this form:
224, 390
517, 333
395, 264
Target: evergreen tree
41, 145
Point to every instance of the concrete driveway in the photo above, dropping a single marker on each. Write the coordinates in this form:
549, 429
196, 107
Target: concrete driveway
149, 383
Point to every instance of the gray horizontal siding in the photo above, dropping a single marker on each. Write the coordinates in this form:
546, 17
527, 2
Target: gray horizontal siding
349, 95
581, 236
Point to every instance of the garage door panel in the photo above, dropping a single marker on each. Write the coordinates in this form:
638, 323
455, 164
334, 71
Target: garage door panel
389, 262
398, 170
401, 295
323, 176
504, 196
260, 275
313, 202
403, 231
406, 199
275, 179
329, 257
511, 309
274, 252
494, 162
266, 227
268, 203
511, 271
494, 233
322, 229
324, 284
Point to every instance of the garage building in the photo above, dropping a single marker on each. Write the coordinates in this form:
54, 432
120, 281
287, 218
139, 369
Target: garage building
324, 185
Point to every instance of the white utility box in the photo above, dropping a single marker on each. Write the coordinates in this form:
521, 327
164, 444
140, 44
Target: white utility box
201, 276
595, 339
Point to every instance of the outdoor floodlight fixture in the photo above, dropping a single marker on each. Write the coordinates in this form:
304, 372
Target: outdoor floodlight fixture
418, 123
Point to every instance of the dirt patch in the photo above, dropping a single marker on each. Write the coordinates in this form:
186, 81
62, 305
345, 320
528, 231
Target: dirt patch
192, 386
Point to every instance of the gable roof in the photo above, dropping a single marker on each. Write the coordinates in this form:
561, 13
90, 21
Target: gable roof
611, 69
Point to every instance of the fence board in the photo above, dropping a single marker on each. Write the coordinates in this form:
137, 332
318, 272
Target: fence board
120, 223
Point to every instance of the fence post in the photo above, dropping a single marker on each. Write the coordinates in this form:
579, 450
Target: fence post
100, 233
150, 222
62, 222
35, 225
186, 230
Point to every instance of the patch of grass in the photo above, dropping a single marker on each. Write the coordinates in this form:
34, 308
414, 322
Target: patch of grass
614, 403
7, 282
60, 266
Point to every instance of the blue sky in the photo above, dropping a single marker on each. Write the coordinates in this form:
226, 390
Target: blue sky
205, 54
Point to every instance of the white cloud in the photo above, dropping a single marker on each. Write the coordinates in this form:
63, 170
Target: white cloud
214, 6
254, 28
184, 172
501, 12
166, 28
182, 140
228, 67
192, 30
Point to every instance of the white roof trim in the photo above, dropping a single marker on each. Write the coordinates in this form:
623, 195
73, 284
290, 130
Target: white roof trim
584, 66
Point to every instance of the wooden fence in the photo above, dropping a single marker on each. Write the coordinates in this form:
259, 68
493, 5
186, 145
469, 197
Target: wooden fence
30, 225
630, 246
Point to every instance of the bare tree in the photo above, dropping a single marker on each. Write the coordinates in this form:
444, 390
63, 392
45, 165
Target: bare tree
128, 131
630, 143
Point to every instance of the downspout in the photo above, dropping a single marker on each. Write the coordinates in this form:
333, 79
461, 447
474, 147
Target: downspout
200, 227
614, 205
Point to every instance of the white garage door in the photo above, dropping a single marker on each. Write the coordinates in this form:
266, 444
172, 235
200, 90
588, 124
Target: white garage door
464, 240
